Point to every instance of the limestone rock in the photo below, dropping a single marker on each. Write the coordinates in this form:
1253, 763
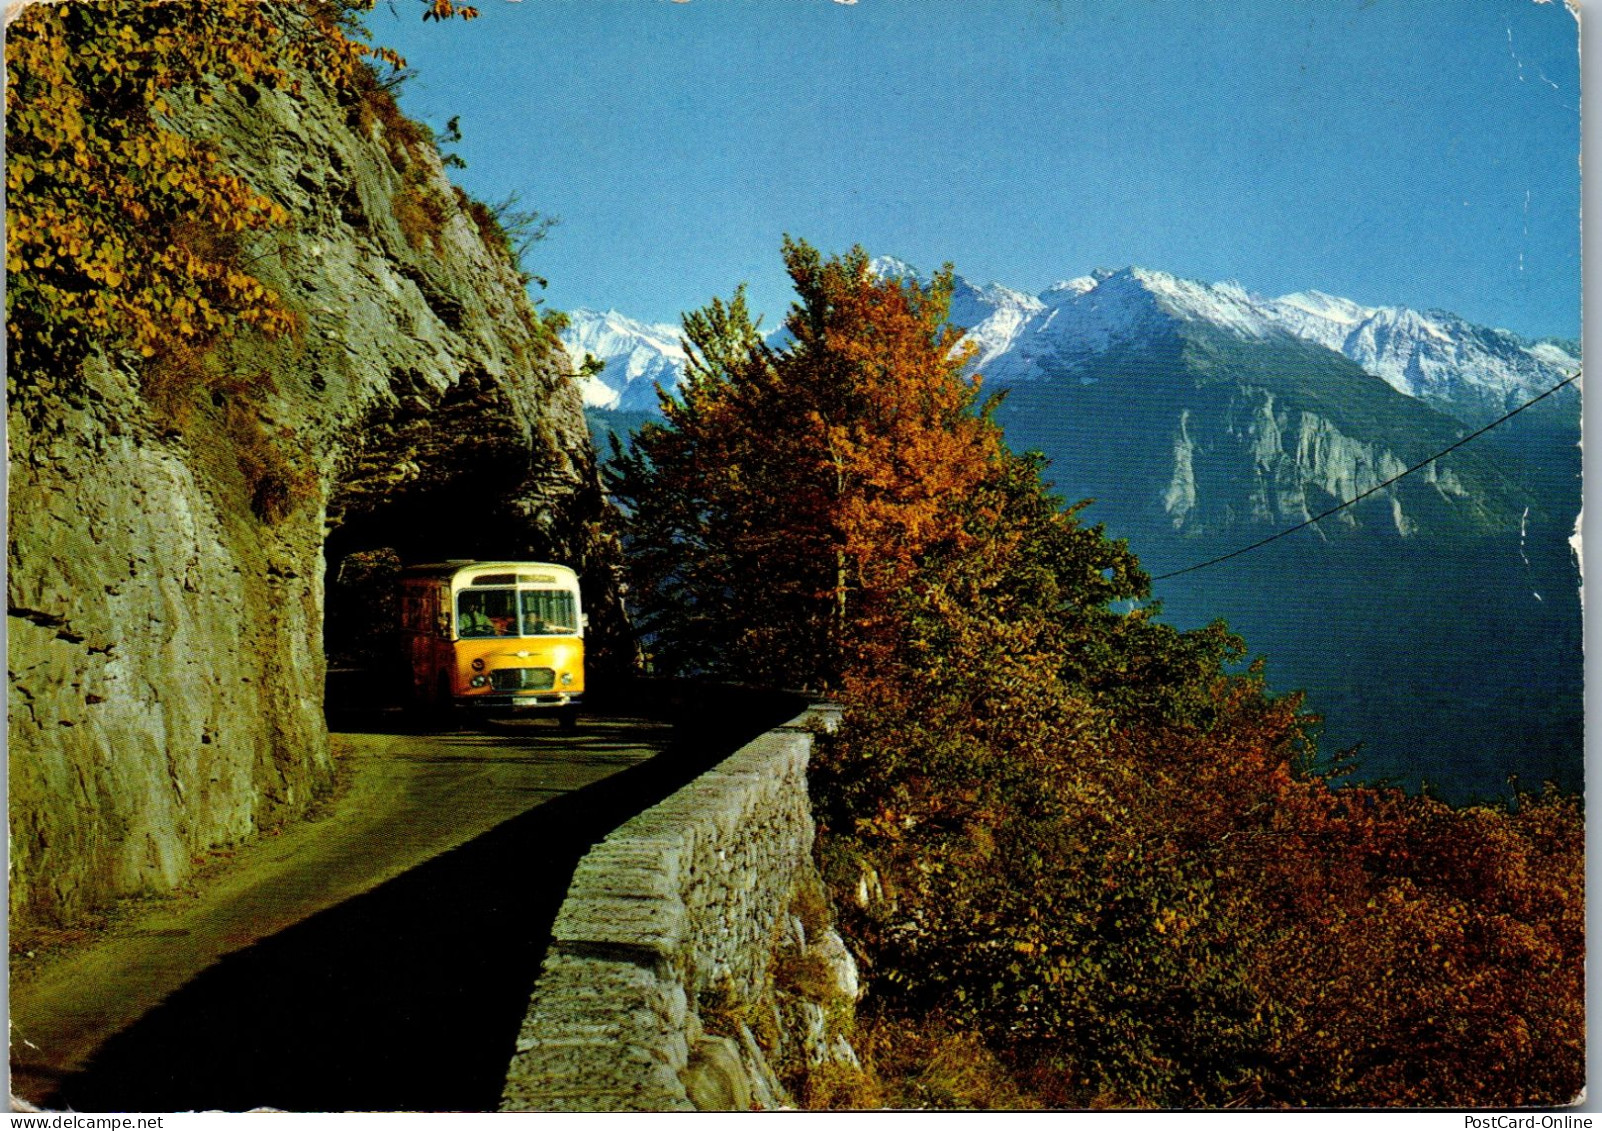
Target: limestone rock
715, 1078
831, 953
165, 630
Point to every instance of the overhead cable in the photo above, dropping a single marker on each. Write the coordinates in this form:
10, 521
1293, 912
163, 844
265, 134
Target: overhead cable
1377, 487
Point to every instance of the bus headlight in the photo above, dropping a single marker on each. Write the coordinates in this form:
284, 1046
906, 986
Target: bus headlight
478, 681
567, 678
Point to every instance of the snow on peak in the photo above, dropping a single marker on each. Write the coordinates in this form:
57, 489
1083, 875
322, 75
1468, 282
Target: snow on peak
1220, 304
992, 315
1469, 371
1555, 356
990, 296
1067, 288
996, 295
1472, 372
638, 355
889, 267
1320, 305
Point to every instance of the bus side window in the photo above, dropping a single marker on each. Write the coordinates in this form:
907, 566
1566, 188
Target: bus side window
442, 615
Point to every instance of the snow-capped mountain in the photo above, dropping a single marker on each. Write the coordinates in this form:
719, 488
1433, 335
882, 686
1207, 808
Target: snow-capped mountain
638, 356
1083, 318
1198, 408
1201, 417
1473, 373
992, 315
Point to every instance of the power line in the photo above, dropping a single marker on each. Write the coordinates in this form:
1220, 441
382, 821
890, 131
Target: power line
1377, 487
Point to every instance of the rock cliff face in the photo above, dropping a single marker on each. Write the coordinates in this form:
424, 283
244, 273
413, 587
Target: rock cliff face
1258, 463
167, 554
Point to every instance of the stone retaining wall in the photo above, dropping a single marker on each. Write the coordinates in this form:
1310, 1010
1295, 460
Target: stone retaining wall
683, 923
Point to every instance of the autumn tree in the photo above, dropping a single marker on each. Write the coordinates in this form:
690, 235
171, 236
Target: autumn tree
1143, 895
791, 493
1074, 845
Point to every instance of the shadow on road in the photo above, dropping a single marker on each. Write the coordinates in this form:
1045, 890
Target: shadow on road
407, 998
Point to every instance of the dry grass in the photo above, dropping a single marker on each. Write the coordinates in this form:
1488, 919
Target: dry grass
929, 1063
377, 113
185, 384
810, 904
420, 211
839, 1087
488, 225
275, 484
171, 382
419, 208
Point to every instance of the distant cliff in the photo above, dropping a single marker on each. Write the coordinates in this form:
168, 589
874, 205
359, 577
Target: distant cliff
169, 529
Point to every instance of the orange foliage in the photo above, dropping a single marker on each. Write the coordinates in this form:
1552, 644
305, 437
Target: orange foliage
1066, 829
812, 481
1139, 911
121, 229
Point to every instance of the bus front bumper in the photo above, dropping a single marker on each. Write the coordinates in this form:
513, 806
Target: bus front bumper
527, 701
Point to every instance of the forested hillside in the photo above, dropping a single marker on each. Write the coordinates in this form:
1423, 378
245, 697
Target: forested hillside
1090, 860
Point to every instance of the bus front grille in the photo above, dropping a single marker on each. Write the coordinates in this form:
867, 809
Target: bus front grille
523, 679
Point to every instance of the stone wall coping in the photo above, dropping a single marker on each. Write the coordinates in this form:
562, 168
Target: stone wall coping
681, 898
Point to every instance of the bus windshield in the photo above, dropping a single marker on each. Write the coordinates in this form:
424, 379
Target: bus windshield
494, 612
548, 611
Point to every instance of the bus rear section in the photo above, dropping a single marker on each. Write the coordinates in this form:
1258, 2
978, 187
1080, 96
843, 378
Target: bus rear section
495, 636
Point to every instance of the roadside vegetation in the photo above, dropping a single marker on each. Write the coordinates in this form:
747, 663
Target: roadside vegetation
121, 229
1089, 860
128, 236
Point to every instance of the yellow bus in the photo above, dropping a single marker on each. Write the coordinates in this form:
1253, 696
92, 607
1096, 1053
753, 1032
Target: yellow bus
507, 635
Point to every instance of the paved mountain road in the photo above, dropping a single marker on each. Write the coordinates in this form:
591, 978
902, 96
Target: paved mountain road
377, 957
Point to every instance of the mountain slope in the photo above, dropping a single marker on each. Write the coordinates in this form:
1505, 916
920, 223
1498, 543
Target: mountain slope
1470, 372
1188, 411
1188, 434
1437, 620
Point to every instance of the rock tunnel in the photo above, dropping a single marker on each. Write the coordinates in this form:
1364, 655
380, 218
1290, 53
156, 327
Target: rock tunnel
475, 476
168, 629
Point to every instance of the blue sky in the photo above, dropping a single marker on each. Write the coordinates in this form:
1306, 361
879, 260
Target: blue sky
1392, 151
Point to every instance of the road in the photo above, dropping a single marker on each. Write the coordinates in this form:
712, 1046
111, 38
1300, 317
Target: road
378, 957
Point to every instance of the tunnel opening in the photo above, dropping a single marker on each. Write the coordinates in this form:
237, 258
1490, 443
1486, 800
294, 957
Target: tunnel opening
436, 517
471, 477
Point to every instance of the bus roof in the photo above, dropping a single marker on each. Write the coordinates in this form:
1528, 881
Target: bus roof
449, 569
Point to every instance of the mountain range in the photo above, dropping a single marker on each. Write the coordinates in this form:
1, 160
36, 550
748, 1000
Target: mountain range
639, 356
1228, 410
1436, 620
1473, 373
